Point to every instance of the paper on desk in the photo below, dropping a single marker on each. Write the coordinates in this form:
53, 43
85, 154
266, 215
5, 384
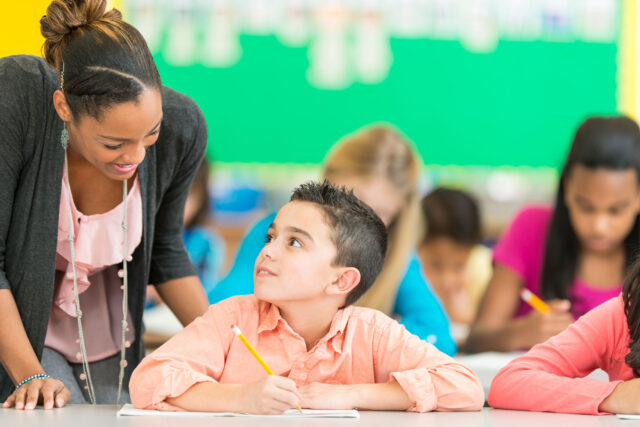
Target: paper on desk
628, 416
128, 409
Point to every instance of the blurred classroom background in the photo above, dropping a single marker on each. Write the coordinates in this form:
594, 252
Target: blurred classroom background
489, 91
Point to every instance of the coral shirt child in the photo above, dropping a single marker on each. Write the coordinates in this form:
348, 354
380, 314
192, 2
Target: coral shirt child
550, 377
323, 250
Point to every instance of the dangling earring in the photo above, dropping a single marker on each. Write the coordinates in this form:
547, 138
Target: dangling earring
64, 136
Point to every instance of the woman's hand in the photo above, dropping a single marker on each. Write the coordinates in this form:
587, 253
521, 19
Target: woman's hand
49, 392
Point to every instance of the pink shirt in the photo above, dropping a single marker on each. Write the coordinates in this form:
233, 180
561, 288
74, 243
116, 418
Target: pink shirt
550, 376
362, 346
98, 251
522, 248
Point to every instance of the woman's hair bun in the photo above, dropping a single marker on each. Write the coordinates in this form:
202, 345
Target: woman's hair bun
65, 16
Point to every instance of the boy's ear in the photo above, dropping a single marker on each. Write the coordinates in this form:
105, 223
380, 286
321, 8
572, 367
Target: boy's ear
347, 279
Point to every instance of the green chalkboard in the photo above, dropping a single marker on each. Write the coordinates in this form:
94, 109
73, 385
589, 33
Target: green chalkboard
517, 105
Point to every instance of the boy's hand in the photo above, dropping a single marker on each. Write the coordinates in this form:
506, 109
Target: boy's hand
271, 395
326, 396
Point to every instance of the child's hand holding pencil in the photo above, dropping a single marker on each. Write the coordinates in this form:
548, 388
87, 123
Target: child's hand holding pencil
544, 321
271, 395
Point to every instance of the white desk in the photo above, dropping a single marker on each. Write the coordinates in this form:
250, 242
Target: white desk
105, 415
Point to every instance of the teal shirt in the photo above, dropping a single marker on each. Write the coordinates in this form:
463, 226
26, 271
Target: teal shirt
417, 306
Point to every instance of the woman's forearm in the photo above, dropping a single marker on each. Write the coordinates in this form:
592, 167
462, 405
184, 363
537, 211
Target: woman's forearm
16, 354
498, 338
185, 297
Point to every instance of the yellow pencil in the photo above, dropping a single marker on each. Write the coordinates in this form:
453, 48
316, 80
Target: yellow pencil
535, 302
253, 351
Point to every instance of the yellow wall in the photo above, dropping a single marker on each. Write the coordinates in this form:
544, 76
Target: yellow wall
628, 95
20, 25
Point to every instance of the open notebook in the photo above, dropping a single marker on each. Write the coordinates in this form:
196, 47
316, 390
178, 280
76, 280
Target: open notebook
628, 416
128, 409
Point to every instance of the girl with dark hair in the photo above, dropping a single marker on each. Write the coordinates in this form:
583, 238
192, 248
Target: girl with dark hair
575, 256
97, 161
550, 377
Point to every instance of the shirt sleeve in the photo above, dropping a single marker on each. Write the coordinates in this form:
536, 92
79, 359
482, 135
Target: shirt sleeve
239, 281
431, 379
421, 311
550, 377
194, 355
13, 111
169, 259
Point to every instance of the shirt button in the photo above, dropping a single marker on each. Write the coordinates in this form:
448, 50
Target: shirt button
281, 336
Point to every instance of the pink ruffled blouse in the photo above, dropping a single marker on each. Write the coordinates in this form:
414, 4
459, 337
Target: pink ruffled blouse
98, 253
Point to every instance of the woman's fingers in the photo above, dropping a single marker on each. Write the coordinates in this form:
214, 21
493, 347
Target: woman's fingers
33, 393
10, 401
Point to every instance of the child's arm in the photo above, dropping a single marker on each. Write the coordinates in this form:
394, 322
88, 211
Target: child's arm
624, 399
430, 379
515, 256
495, 329
194, 355
183, 374
550, 376
271, 395
383, 396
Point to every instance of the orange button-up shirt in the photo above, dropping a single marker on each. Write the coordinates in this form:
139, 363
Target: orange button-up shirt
363, 346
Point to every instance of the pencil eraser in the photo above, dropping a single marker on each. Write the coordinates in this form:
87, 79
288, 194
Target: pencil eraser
526, 294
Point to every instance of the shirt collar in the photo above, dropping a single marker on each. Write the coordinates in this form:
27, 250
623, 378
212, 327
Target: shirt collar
270, 316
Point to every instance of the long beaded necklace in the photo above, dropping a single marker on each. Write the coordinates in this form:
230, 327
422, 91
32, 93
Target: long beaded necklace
64, 140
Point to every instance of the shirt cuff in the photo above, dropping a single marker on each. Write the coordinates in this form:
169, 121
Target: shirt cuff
419, 387
605, 393
174, 385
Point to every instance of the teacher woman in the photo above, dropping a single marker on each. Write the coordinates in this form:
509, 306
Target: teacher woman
97, 159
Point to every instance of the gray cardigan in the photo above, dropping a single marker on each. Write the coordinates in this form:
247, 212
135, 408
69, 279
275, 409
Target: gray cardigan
31, 162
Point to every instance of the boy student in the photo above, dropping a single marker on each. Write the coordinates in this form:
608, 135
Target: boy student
456, 263
322, 251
